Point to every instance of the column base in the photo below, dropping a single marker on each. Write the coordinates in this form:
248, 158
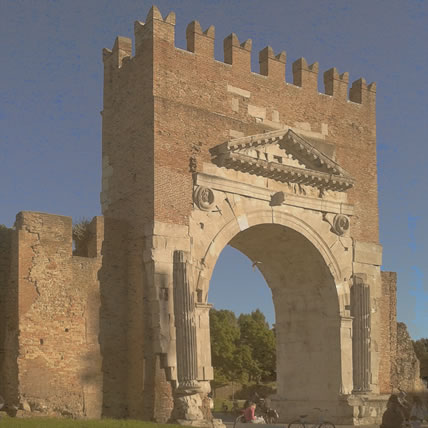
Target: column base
361, 409
187, 407
368, 408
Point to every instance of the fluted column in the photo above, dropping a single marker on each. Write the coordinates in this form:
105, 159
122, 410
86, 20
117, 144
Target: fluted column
185, 324
360, 311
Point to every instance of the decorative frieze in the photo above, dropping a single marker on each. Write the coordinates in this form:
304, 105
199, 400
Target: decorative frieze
251, 190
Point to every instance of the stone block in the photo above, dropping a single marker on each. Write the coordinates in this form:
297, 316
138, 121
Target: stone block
238, 91
367, 253
166, 229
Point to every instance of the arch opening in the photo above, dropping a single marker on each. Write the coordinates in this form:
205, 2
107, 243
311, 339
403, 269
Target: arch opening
307, 311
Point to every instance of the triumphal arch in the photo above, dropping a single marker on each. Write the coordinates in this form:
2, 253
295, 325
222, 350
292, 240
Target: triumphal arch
198, 154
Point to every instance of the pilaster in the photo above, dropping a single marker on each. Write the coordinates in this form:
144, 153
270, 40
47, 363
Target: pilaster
360, 310
187, 402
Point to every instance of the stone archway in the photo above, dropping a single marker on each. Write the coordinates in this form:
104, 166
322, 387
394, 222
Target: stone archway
309, 280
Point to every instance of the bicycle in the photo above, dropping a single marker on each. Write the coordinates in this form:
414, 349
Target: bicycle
300, 423
239, 420
270, 415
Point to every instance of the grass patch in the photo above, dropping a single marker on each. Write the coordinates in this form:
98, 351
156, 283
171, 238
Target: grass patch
38, 422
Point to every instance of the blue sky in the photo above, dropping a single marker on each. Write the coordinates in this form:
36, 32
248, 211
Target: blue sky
51, 97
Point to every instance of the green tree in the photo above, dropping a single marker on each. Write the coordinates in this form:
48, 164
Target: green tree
225, 334
242, 349
256, 334
421, 351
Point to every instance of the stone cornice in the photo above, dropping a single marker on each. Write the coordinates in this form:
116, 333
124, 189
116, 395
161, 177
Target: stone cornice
319, 170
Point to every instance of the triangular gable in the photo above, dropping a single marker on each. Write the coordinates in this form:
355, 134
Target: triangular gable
283, 156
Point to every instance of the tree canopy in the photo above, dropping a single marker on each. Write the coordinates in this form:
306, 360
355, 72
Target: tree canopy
421, 351
242, 349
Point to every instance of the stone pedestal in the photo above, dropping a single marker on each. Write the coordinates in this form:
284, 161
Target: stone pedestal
355, 409
368, 408
339, 411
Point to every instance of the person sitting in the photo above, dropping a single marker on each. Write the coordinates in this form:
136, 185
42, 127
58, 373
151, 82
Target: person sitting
249, 414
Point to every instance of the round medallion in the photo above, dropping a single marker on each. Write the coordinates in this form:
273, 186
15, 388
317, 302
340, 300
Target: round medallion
340, 224
204, 198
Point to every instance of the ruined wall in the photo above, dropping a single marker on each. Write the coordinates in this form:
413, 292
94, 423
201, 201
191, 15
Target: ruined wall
388, 333
85, 278
399, 366
57, 309
406, 367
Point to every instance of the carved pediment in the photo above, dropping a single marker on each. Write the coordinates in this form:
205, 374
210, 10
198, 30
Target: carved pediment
282, 156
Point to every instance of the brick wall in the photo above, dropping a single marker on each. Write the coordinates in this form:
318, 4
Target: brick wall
166, 105
127, 127
194, 110
58, 359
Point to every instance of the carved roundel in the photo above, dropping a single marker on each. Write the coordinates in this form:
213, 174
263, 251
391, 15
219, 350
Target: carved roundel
340, 224
204, 198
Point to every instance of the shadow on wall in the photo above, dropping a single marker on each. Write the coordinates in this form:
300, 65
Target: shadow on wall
8, 319
113, 319
131, 368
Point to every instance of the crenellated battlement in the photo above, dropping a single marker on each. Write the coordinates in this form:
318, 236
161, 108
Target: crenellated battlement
237, 54
122, 49
272, 65
360, 92
305, 75
336, 84
198, 41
